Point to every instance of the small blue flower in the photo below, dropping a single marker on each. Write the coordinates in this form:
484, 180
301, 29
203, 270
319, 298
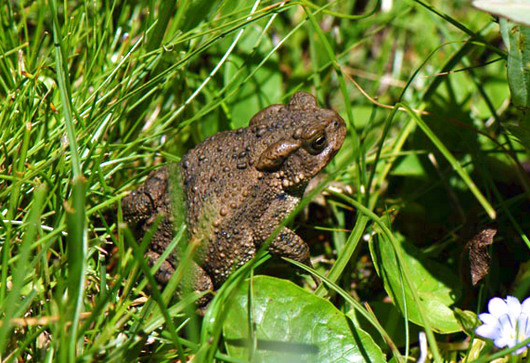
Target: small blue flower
507, 323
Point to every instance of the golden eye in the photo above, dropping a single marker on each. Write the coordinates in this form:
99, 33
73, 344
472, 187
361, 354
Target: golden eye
318, 144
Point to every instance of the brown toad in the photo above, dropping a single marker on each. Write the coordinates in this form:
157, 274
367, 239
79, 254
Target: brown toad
238, 187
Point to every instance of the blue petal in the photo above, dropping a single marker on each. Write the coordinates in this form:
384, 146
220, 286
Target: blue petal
523, 327
514, 308
506, 325
520, 350
503, 341
488, 319
488, 331
497, 307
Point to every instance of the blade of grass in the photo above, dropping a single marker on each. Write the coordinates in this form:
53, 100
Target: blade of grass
20, 271
345, 255
13, 205
77, 251
65, 90
76, 211
166, 11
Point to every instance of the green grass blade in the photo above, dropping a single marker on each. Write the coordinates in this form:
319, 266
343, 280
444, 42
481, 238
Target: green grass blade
21, 269
65, 90
345, 255
77, 253
13, 205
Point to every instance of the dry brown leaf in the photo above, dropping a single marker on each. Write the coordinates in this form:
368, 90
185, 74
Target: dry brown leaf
479, 258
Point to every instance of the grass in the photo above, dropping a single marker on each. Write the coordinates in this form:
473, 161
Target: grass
95, 95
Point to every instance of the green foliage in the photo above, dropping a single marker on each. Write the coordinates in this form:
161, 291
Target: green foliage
96, 94
517, 40
437, 286
292, 325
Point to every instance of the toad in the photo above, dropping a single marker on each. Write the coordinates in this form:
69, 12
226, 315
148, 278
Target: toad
238, 186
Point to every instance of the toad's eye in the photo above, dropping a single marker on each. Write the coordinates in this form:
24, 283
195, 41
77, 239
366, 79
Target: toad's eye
318, 144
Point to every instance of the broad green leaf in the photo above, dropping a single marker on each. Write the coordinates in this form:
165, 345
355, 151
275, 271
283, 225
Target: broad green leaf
515, 10
517, 41
292, 325
437, 286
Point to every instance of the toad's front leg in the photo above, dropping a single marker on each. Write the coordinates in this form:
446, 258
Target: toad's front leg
289, 244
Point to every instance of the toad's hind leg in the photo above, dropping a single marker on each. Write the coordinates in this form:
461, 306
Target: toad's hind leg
198, 280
